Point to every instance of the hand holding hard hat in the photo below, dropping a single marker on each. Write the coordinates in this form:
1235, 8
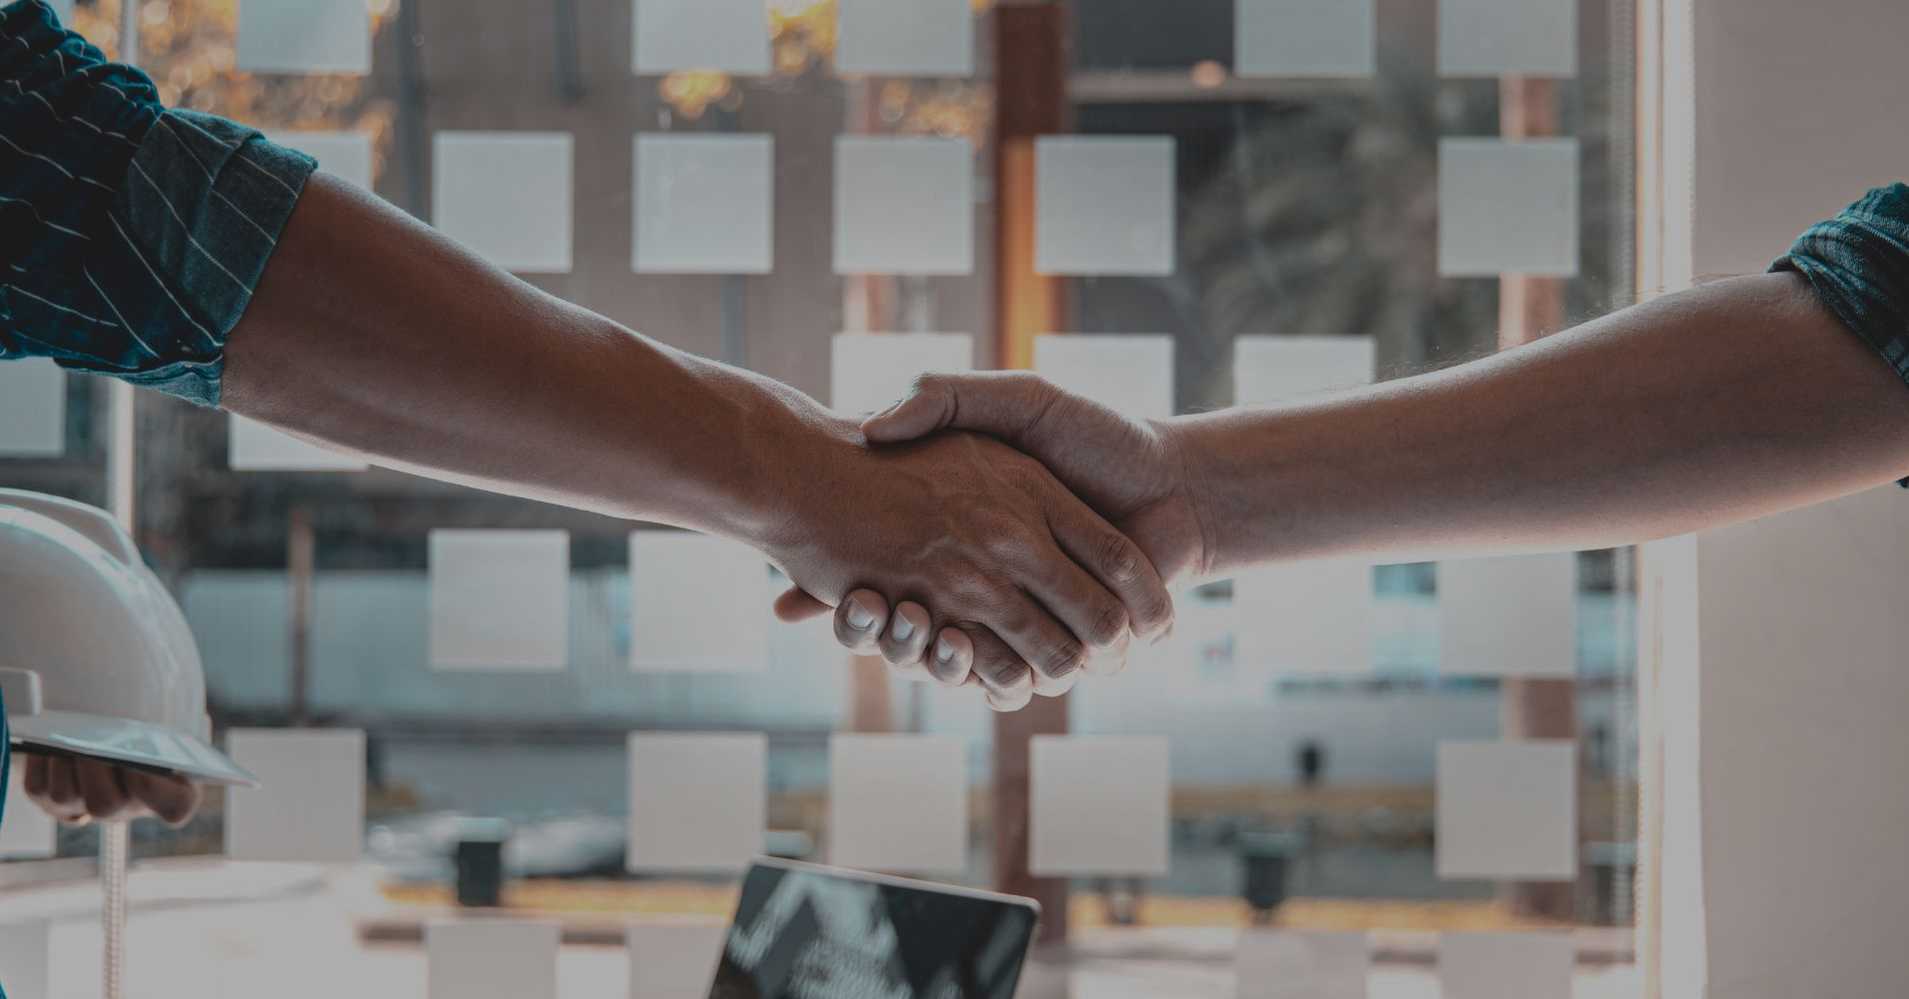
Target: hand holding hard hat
104, 690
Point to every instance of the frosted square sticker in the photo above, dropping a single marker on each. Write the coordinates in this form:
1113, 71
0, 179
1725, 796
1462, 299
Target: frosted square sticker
1512, 615
310, 802
1506, 965
28, 833
492, 957
869, 372
304, 36
697, 802
1305, 617
1507, 207
1131, 374
1084, 822
252, 446
729, 36
673, 960
1508, 37
870, 774
1507, 810
1104, 206
1273, 369
345, 155
905, 37
704, 204
699, 604
32, 409
500, 600
507, 196
1304, 38
904, 205
1289, 964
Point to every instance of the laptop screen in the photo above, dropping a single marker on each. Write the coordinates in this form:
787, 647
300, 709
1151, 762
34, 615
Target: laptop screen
811, 933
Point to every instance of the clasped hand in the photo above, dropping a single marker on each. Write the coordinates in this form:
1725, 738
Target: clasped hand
1056, 526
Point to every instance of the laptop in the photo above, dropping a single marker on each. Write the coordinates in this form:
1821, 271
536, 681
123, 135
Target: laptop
806, 932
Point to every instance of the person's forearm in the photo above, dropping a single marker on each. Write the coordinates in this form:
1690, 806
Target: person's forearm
1725, 403
373, 333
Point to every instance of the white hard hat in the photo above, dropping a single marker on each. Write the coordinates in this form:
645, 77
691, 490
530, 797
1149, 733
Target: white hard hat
95, 656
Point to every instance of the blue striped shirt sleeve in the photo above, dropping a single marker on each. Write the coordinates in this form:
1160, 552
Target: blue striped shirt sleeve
131, 235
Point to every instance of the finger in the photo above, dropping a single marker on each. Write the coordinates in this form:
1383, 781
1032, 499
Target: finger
1005, 676
860, 619
795, 605
171, 800
1115, 562
1038, 640
905, 642
99, 788
952, 663
1077, 599
35, 778
1002, 404
63, 800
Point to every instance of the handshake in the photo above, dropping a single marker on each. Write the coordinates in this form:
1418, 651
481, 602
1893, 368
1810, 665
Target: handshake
1024, 536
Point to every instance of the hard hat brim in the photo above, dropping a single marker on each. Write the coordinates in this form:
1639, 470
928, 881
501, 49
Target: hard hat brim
126, 742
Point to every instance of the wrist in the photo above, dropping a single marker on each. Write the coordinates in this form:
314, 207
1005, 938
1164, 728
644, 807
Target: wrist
1191, 453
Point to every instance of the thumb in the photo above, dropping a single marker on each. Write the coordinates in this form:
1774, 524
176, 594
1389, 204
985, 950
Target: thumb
795, 605
1000, 404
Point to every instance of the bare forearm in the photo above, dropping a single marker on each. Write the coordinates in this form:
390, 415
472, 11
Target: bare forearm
373, 333
1725, 403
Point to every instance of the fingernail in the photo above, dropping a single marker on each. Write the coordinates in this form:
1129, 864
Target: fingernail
944, 652
859, 617
903, 627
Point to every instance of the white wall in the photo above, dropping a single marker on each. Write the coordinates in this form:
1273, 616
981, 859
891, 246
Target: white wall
1779, 646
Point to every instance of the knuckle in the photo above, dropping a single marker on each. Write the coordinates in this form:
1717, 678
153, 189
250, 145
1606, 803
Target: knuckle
1119, 557
1110, 622
1062, 658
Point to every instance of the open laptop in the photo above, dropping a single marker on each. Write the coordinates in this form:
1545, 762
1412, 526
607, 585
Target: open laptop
808, 932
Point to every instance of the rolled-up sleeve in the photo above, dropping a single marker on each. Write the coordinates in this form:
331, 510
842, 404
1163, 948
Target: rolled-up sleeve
1858, 264
133, 235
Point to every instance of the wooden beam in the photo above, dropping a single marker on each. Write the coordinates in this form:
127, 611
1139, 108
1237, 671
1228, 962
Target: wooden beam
1030, 101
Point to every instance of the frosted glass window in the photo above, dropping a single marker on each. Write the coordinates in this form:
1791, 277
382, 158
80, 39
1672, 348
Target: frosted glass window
28, 833
1514, 615
32, 409
673, 960
1131, 374
1305, 617
64, 8
1098, 805
252, 446
1507, 207
24, 952
869, 372
1508, 37
507, 196
727, 35
699, 604
704, 204
904, 205
1288, 964
310, 802
905, 37
492, 957
304, 36
697, 802
1104, 205
1507, 810
1270, 369
345, 155
871, 776
1506, 965
1304, 38
500, 600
